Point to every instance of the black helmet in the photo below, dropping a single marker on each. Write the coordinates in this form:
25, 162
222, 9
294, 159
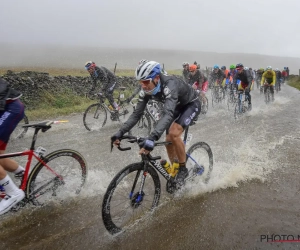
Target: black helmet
223, 67
239, 65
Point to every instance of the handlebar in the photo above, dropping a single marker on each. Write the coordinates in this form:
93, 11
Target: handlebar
134, 139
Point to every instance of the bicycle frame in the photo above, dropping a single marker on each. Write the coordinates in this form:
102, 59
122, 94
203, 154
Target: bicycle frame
30, 153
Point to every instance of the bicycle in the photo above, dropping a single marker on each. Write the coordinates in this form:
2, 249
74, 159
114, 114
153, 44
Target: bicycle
95, 116
151, 115
267, 94
217, 94
130, 189
204, 104
20, 130
61, 172
240, 106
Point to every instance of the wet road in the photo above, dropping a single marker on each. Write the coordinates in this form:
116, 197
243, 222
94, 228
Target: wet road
253, 191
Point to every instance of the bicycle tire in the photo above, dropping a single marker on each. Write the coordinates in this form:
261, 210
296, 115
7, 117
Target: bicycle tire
91, 119
115, 188
143, 127
41, 175
19, 131
206, 161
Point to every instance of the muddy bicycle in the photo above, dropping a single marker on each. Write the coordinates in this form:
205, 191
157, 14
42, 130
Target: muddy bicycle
55, 176
95, 116
136, 189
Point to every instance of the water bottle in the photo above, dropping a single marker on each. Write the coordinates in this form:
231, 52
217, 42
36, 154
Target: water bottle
2, 192
166, 166
175, 168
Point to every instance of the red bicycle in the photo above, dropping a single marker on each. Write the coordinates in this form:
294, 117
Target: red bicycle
61, 172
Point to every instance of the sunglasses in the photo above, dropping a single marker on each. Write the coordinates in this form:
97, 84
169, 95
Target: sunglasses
146, 82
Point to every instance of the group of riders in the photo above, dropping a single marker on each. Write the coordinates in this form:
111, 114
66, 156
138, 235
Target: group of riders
181, 99
237, 77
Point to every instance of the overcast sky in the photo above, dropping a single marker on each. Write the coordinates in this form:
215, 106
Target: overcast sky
247, 26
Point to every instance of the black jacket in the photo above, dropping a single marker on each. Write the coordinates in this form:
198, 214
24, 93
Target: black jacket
105, 76
216, 76
198, 77
7, 93
174, 93
244, 76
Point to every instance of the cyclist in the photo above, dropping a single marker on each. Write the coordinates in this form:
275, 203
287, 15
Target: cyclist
11, 113
199, 82
181, 106
198, 65
278, 78
284, 75
245, 81
185, 71
227, 77
216, 77
231, 74
259, 74
268, 81
107, 78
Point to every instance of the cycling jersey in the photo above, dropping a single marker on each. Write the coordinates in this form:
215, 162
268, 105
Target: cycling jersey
174, 93
269, 76
198, 77
185, 74
218, 76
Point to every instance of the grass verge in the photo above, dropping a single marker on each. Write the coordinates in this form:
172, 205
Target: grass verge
294, 81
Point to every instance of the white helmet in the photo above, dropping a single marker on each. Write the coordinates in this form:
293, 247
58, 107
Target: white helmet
147, 70
143, 61
276, 69
246, 68
269, 68
185, 64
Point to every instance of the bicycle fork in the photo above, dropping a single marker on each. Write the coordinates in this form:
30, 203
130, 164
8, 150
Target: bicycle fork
137, 198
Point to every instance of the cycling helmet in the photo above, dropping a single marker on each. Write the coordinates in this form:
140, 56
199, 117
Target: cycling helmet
246, 68
143, 61
223, 67
89, 65
276, 69
147, 70
185, 64
262, 69
216, 66
251, 69
192, 67
239, 65
269, 68
195, 62
232, 66
285, 68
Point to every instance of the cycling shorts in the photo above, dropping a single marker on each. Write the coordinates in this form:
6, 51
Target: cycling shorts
185, 115
242, 85
9, 119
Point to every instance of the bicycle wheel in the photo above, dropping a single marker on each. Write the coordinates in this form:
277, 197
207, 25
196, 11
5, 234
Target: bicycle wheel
19, 131
123, 113
199, 162
95, 117
237, 110
65, 178
122, 205
143, 127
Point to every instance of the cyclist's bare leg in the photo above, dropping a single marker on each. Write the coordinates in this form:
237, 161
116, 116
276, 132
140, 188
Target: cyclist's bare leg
177, 146
202, 94
7, 164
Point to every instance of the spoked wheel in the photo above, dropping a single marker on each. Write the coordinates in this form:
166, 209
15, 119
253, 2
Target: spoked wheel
143, 127
199, 162
63, 176
123, 204
19, 131
237, 111
95, 117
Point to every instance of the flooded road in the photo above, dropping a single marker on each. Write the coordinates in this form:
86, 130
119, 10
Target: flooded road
253, 192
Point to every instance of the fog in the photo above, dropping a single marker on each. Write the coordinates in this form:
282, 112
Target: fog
68, 33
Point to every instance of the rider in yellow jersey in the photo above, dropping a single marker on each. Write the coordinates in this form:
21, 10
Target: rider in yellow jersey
268, 80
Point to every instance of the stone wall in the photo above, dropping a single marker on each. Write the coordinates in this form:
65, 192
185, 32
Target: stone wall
33, 84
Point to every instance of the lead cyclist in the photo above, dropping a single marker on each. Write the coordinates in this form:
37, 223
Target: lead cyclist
181, 106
